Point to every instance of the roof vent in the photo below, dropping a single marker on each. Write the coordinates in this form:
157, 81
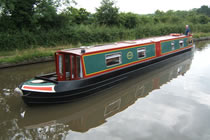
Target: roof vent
82, 49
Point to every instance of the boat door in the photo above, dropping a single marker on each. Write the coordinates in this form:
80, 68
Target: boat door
68, 66
158, 48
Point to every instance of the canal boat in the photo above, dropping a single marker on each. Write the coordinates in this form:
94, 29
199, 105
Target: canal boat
87, 70
76, 116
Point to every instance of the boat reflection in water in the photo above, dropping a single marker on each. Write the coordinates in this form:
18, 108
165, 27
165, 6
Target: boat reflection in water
93, 111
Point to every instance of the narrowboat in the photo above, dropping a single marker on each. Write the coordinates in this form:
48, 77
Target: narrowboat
85, 114
87, 70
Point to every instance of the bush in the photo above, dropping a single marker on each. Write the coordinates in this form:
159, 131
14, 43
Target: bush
89, 34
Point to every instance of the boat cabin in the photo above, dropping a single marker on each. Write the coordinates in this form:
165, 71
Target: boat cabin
78, 63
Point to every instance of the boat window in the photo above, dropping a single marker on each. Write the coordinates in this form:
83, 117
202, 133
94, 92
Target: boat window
81, 72
181, 43
141, 52
190, 41
113, 59
79, 67
72, 67
67, 66
172, 45
60, 60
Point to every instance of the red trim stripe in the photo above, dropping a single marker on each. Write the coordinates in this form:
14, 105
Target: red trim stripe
38, 88
83, 66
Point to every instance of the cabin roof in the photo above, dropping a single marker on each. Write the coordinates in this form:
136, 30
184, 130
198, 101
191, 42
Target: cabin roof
91, 49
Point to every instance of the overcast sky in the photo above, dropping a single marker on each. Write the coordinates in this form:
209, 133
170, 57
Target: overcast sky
145, 6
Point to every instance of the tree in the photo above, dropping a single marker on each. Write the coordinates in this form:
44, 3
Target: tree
107, 13
159, 13
19, 11
45, 14
77, 16
29, 13
204, 10
129, 20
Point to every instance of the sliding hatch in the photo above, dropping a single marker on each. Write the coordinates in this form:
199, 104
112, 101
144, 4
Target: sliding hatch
68, 66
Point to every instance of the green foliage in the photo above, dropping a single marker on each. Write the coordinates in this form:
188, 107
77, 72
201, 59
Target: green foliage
107, 13
203, 19
204, 10
20, 12
30, 14
201, 34
157, 30
129, 20
30, 23
77, 16
45, 14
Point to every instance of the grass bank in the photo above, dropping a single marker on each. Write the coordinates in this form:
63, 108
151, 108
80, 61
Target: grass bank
200, 35
28, 55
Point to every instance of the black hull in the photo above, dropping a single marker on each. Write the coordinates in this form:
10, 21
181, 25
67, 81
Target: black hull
67, 91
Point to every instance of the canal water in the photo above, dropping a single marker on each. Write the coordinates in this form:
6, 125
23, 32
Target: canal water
169, 100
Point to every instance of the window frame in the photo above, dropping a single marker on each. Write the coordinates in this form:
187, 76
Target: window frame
181, 41
139, 49
118, 54
190, 41
172, 45
60, 64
